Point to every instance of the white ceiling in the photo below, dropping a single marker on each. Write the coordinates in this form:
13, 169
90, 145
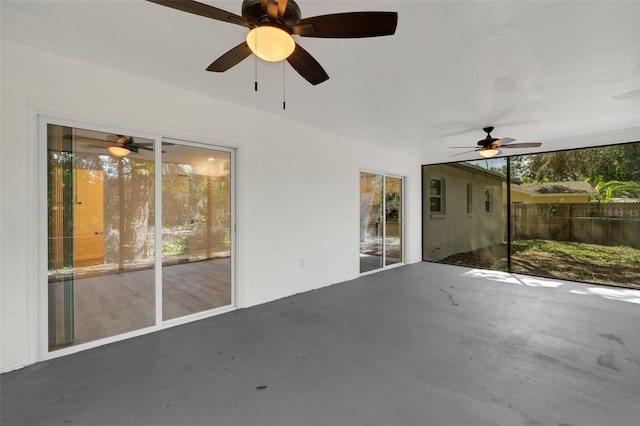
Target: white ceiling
563, 73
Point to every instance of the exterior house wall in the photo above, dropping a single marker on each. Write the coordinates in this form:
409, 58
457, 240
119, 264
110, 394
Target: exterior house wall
297, 188
457, 231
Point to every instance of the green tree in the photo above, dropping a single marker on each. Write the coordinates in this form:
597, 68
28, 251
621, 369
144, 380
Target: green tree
602, 164
614, 188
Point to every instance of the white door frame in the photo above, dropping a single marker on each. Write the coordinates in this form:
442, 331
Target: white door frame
39, 316
384, 222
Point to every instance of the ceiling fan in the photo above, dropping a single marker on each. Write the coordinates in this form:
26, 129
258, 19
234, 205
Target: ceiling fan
490, 147
123, 145
126, 144
272, 24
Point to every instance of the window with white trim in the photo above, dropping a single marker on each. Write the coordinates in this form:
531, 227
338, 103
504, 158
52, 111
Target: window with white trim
436, 195
488, 199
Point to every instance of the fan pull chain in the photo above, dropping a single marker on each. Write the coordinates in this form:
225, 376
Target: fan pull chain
255, 57
255, 84
284, 92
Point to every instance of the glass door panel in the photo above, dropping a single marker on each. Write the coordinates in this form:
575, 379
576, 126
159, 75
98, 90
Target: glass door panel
100, 211
371, 222
196, 230
393, 220
380, 221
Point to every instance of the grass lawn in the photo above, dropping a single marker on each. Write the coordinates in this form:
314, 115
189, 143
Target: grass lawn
616, 265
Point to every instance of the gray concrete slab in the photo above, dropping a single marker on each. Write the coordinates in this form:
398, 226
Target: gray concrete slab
423, 344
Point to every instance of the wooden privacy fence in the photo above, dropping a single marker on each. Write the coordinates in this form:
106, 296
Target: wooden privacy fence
610, 224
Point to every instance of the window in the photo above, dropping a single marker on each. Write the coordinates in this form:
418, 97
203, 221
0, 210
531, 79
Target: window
436, 198
469, 198
488, 200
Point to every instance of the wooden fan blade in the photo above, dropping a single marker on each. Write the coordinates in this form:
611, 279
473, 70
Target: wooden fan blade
307, 66
231, 58
523, 145
86, 138
466, 152
348, 25
147, 145
505, 141
205, 10
136, 147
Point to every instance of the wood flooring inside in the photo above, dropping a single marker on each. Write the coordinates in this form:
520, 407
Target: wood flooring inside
113, 304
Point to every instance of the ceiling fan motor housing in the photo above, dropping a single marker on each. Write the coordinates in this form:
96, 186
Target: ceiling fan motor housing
253, 11
488, 141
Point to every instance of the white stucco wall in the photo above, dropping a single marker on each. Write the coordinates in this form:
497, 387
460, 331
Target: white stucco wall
298, 197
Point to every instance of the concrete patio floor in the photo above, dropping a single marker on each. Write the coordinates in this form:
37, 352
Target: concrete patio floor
423, 344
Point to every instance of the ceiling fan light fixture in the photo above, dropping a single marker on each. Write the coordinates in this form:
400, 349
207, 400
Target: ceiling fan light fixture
489, 152
270, 43
119, 151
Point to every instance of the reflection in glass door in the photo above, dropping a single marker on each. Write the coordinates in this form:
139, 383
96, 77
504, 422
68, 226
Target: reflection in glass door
393, 220
381, 225
196, 230
100, 211
371, 222
103, 242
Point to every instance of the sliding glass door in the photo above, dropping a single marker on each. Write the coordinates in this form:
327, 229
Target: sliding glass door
100, 251
196, 230
392, 220
102, 257
381, 221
